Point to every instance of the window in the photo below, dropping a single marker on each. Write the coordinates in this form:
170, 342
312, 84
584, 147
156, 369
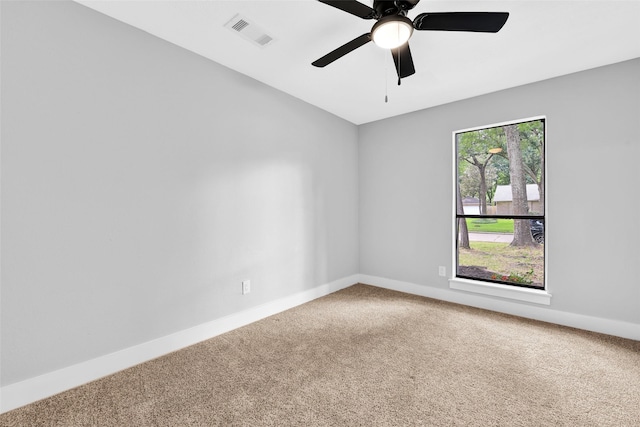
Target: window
500, 204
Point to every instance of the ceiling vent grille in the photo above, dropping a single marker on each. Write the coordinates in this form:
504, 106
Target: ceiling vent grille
249, 31
240, 25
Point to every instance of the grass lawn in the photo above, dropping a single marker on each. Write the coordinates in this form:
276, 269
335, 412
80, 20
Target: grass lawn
504, 259
490, 225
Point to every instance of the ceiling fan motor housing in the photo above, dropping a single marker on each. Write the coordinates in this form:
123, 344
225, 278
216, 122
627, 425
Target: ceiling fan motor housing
385, 8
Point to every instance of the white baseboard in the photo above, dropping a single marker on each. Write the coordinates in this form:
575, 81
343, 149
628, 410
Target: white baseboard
546, 314
22, 393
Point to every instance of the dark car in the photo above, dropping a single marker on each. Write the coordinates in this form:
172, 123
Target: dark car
537, 230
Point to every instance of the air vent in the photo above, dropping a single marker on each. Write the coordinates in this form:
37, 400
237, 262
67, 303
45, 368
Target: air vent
249, 31
240, 25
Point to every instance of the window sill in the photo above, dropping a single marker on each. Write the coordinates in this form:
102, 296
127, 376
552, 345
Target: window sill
503, 291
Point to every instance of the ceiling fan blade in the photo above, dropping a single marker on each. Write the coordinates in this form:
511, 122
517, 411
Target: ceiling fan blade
482, 22
403, 60
342, 50
353, 7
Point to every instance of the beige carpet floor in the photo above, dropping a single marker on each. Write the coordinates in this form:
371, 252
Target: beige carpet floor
366, 356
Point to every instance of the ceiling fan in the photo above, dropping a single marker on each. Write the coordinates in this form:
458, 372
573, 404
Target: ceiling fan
393, 29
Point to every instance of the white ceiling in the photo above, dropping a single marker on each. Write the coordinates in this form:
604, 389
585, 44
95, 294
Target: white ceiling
541, 39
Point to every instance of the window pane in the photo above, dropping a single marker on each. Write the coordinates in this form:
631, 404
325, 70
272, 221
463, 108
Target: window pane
490, 255
501, 170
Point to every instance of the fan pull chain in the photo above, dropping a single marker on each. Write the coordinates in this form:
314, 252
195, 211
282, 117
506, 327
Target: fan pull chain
386, 87
386, 80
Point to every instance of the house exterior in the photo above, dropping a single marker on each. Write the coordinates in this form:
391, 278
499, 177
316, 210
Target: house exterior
503, 199
471, 205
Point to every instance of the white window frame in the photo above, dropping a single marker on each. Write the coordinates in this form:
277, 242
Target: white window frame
535, 296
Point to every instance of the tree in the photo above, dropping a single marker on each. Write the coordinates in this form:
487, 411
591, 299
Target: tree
521, 230
463, 231
532, 136
532, 148
469, 180
474, 148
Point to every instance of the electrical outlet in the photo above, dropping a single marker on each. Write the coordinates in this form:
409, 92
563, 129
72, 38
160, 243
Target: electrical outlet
442, 270
246, 287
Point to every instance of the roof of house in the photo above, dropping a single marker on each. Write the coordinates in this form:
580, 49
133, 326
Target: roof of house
503, 193
470, 201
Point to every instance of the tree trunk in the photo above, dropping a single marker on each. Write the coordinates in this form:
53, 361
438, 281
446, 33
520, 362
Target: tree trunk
521, 227
483, 189
463, 232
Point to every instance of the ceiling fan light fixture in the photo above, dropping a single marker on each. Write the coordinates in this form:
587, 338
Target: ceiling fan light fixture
392, 31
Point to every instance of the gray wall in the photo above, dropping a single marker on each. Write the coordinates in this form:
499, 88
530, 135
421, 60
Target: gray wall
593, 148
142, 183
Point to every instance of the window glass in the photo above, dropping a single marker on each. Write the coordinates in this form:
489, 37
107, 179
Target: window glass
500, 207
